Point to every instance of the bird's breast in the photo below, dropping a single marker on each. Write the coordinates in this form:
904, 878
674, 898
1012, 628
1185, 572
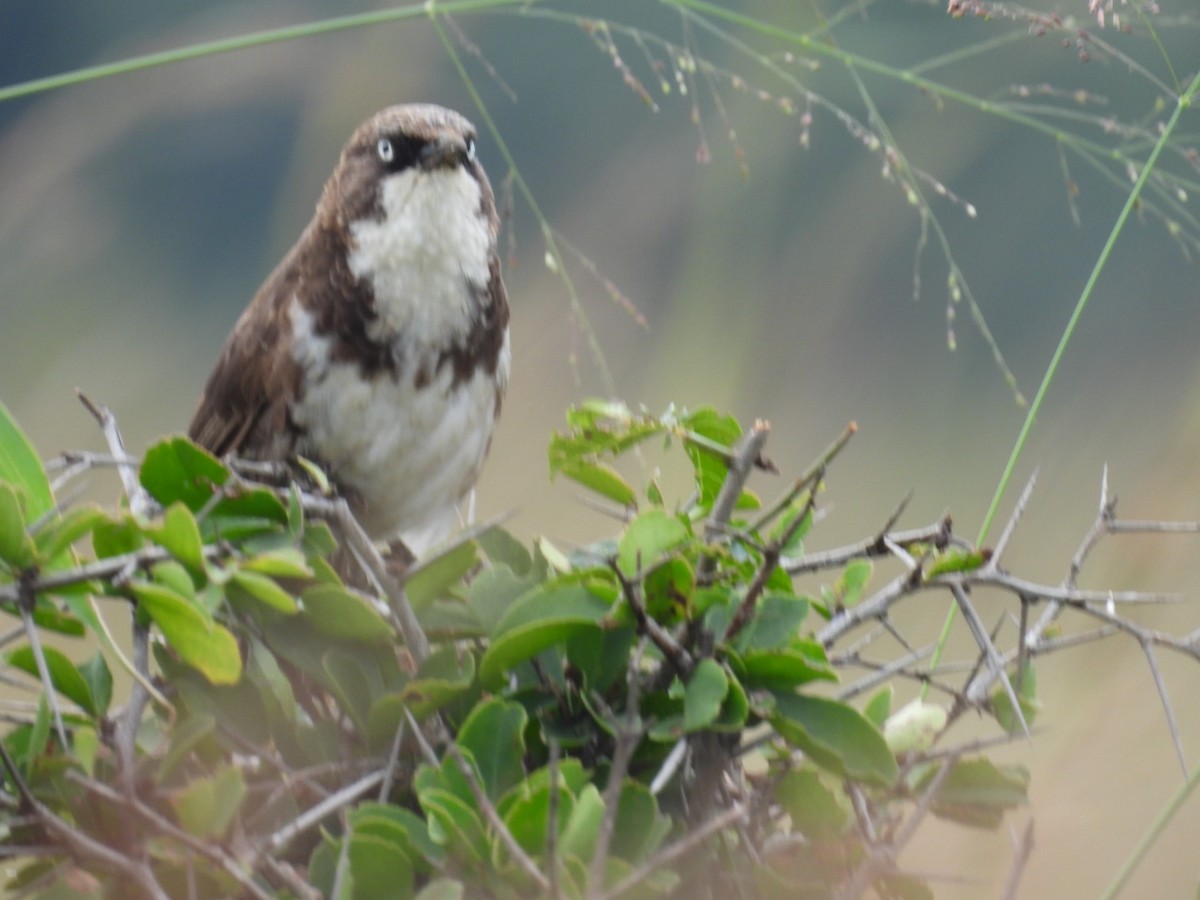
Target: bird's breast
425, 257
408, 443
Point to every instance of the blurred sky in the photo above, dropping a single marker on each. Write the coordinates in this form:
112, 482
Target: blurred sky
138, 215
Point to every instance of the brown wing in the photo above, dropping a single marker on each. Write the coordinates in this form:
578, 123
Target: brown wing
244, 407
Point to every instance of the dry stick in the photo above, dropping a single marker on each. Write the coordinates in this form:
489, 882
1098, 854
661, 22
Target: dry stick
1023, 850
77, 843
552, 821
140, 503
937, 534
393, 762
165, 826
883, 673
806, 477
747, 450
682, 847
368, 553
1090, 540
629, 735
1165, 699
994, 660
770, 563
1011, 525
286, 875
675, 653
130, 717
316, 813
483, 801
39, 657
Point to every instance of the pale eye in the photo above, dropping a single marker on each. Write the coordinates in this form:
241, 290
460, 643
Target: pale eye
471, 149
385, 150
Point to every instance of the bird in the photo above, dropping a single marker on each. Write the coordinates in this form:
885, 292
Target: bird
378, 347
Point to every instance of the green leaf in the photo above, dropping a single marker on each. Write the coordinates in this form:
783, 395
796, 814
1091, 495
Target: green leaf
798, 508
16, 546
56, 537
20, 466
710, 466
850, 586
547, 616
99, 682
819, 810
265, 590
647, 538
879, 707
206, 807
179, 535
836, 737
191, 631
640, 827
504, 549
526, 814
380, 869
176, 470
456, 826
67, 679
495, 735
386, 819
583, 825
284, 562
1027, 698
341, 613
776, 623
493, 591
442, 889
601, 478
705, 693
783, 670
113, 537
444, 677
438, 574
978, 792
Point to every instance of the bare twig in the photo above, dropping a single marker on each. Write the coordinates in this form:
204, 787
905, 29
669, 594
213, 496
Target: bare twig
163, 825
994, 661
680, 848
81, 844
745, 454
681, 660
938, 534
48, 691
1022, 850
628, 728
769, 564
131, 716
1011, 525
1165, 699
314, 814
401, 610
808, 477
140, 503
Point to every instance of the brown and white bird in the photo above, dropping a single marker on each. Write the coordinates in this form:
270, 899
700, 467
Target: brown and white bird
379, 345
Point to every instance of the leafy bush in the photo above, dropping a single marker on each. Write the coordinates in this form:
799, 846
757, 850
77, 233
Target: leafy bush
658, 714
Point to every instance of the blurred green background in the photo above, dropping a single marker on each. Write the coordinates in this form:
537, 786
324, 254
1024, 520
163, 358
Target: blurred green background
138, 215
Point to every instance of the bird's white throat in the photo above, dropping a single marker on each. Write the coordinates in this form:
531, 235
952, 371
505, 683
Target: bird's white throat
427, 257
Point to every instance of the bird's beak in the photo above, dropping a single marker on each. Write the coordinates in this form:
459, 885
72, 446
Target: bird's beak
444, 153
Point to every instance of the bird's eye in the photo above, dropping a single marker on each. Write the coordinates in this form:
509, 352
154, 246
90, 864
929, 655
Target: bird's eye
385, 150
471, 149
